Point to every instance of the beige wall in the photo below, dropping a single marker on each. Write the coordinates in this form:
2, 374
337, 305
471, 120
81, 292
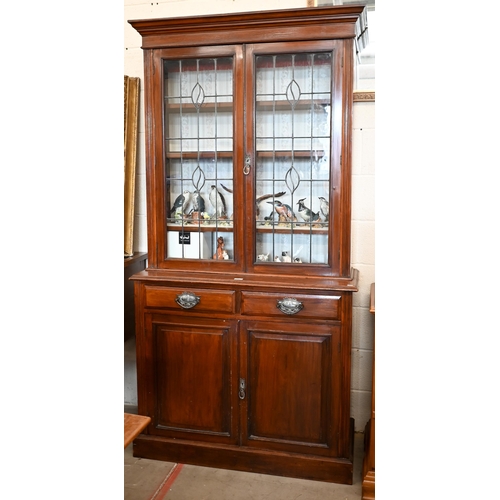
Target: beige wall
363, 196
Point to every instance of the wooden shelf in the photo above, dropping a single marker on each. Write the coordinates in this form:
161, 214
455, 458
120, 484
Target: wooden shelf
284, 105
194, 155
297, 229
297, 154
212, 228
204, 228
204, 108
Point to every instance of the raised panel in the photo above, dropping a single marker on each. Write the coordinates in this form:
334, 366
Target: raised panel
193, 364
290, 385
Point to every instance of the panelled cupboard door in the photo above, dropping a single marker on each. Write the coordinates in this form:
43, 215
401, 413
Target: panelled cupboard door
292, 386
192, 365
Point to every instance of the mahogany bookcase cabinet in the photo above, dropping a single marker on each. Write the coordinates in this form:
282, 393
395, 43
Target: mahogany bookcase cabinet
244, 313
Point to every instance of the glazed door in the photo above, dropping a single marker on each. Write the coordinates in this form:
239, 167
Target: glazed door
197, 182
291, 378
294, 144
192, 364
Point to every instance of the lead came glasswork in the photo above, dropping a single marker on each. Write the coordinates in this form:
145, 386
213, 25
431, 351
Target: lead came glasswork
292, 135
292, 139
198, 95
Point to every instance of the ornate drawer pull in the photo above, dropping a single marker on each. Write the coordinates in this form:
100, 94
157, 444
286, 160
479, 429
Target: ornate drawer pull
187, 300
289, 305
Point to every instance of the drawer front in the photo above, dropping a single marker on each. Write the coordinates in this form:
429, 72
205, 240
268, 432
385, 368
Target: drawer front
294, 305
187, 299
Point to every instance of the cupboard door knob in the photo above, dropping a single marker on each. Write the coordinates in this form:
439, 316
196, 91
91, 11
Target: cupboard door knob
187, 300
289, 305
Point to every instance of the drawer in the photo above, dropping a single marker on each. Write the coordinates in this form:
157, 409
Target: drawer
195, 300
295, 305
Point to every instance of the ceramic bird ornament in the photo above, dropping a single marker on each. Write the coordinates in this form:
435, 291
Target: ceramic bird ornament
198, 202
283, 210
306, 213
180, 204
218, 202
266, 197
324, 207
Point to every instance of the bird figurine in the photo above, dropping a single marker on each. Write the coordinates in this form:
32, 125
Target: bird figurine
217, 201
306, 213
324, 207
180, 204
265, 197
198, 202
284, 211
226, 188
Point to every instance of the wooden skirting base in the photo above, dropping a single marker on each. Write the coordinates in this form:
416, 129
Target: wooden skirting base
368, 487
334, 470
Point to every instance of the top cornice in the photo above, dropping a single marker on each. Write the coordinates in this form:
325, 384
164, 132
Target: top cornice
247, 27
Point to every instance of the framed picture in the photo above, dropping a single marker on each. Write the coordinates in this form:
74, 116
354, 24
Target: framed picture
131, 117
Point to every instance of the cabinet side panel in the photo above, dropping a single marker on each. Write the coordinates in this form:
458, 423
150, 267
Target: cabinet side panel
143, 353
344, 406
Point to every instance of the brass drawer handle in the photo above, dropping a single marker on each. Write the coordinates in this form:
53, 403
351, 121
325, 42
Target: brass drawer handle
289, 305
187, 300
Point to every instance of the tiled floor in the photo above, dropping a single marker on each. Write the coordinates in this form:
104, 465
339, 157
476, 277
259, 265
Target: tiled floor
154, 480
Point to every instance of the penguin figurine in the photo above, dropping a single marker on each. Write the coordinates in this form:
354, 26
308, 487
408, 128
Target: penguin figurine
217, 201
324, 207
180, 204
283, 210
306, 213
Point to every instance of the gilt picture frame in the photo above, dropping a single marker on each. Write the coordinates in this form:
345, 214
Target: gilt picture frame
131, 124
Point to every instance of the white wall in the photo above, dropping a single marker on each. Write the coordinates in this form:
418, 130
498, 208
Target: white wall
363, 196
363, 258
